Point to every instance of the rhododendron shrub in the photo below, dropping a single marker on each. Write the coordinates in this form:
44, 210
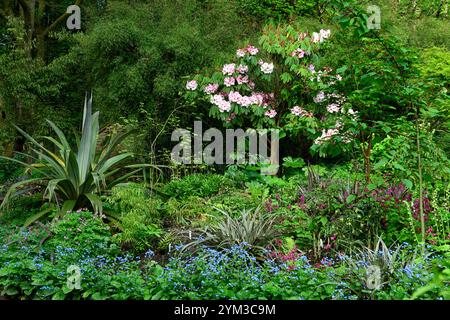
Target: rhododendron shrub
279, 85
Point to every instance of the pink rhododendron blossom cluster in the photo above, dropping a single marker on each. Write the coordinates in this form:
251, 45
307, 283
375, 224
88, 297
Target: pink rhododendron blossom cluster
192, 85
240, 53
271, 113
299, 111
333, 108
299, 53
242, 69
252, 50
229, 81
319, 97
228, 69
326, 135
321, 36
211, 88
221, 103
240, 79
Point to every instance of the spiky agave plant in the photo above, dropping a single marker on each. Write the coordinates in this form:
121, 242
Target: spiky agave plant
74, 176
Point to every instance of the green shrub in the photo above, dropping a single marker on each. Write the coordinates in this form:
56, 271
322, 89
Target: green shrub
201, 185
141, 216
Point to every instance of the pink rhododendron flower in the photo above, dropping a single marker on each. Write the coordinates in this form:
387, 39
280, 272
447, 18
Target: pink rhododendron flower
299, 111
321, 36
211, 88
240, 53
251, 85
234, 96
191, 85
333, 108
221, 103
326, 135
298, 53
270, 113
315, 37
267, 68
228, 69
325, 34
257, 98
242, 69
245, 101
242, 79
252, 50
229, 81
312, 68
320, 97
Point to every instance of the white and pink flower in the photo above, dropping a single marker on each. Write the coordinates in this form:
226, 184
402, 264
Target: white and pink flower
229, 81
240, 53
267, 68
252, 50
192, 85
228, 69
242, 69
221, 103
300, 112
319, 97
326, 135
333, 108
211, 88
321, 35
299, 53
271, 113
242, 79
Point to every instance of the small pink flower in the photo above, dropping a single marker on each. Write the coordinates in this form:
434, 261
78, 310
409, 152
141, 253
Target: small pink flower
228, 69
302, 35
252, 50
191, 85
298, 53
240, 53
320, 97
229, 81
333, 108
299, 111
242, 79
270, 113
211, 88
242, 69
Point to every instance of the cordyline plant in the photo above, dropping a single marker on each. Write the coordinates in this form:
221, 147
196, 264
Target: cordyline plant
74, 178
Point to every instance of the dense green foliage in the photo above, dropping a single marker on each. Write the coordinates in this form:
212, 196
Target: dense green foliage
360, 205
